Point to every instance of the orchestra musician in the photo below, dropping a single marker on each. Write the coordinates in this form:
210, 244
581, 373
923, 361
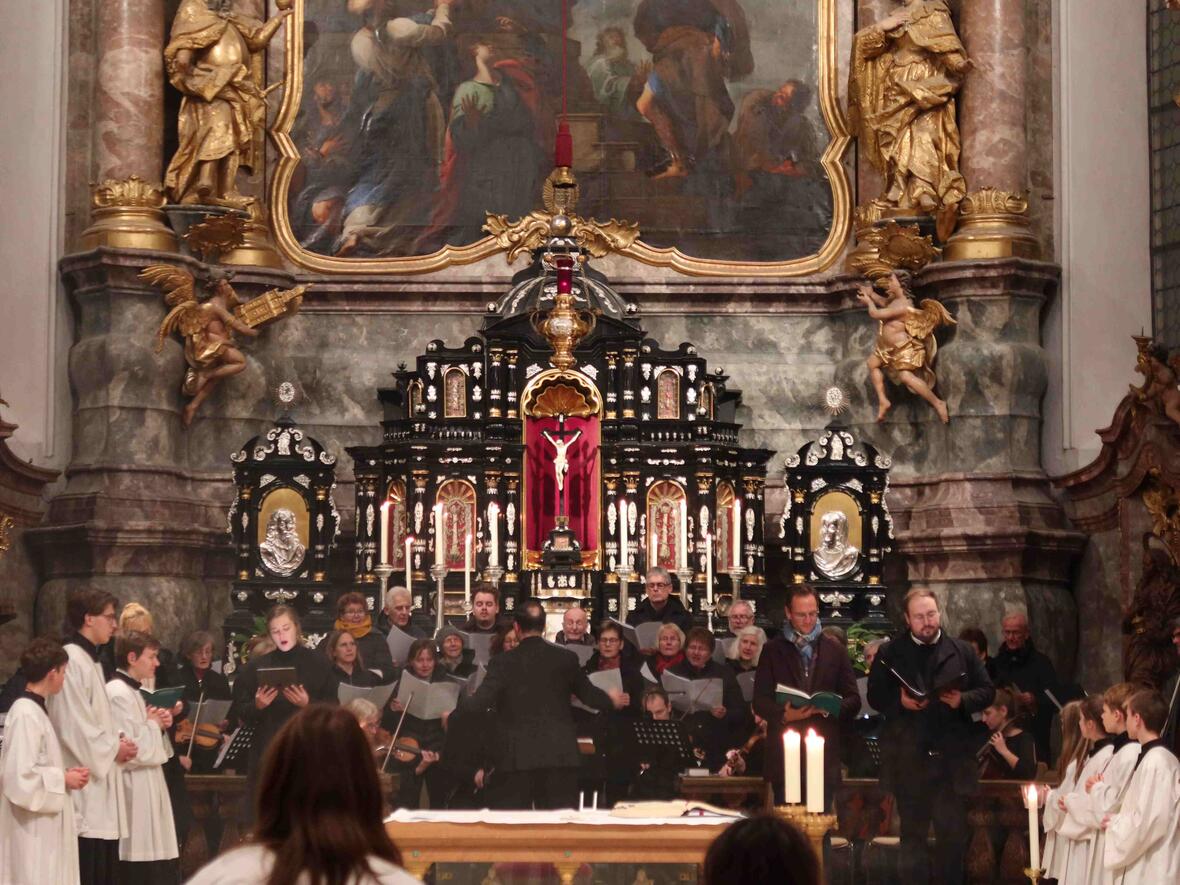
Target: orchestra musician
200, 681
419, 741
1010, 752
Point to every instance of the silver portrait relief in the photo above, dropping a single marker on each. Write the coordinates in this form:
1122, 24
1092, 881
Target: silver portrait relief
834, 556
281, 551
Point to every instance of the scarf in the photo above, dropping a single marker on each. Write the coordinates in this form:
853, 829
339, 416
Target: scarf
804, 642
663, 663
357, 630
614, 663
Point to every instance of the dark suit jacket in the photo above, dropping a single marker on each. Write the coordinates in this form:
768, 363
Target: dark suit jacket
831, 670
673, 612
529, 687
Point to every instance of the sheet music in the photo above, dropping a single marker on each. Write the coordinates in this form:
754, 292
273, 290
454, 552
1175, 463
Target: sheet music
746, 683
721, 649
584, 652
481, 644
692, 695
628, 632
211, 712
431, 699
607, 680
648, 634
377, 695
399, 642
646, 673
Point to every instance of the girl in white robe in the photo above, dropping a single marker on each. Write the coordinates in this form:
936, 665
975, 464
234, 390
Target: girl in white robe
37, 838
151, 831
1074, 832
1075, 747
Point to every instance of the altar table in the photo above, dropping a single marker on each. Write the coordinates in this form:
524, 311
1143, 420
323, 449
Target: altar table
567, 839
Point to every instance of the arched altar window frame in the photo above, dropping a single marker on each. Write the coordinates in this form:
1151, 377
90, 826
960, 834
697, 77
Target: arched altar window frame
449, 491
399, 522
414, 398
665, 489
707, 399
461, 410
674, 374
723, 525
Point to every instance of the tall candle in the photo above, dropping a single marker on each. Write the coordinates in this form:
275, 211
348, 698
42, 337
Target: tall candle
792, 769
409, 562
682, 547
494, 534
736, 560
439, 543
709, 569
1034, 831
383, 559
624, 559
467, 567
815, 772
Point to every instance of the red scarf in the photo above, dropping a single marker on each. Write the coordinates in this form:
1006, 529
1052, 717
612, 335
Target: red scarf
663, 663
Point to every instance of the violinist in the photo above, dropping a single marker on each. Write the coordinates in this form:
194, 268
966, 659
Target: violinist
1010, 752
200, 681
368, 717
347, 665
419, 742
747, 760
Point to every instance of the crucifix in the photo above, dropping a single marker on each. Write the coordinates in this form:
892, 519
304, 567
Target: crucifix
561, 465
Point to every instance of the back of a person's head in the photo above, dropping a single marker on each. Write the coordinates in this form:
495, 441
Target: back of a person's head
322, 820
530, 617
761, 849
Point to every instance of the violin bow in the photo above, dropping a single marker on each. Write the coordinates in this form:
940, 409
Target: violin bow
397, 731
196, 722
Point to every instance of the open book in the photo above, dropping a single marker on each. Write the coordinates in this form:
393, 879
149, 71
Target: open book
919, 694
826, 701
673, 808
164, 698
692, 695
378, 695
431, 699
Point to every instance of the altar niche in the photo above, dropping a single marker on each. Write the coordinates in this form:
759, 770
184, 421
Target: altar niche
582, 472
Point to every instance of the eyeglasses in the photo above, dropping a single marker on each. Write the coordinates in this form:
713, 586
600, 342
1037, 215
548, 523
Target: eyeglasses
659, 583
609, 640
354, 613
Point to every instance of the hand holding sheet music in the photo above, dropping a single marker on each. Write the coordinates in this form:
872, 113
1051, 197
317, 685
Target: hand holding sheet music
607, 680
692, 695
430, 699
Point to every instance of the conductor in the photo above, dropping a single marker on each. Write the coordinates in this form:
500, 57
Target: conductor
529, 690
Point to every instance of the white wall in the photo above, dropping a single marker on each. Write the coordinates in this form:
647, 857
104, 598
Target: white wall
1103, 222
34, 322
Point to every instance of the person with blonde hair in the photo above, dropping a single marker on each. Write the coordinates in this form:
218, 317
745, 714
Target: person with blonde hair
1075, 749
743, 653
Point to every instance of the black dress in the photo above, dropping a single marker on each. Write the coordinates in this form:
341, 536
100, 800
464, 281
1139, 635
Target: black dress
430, 735
358, 677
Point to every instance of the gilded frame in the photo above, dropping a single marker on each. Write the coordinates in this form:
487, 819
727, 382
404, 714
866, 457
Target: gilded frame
833, 114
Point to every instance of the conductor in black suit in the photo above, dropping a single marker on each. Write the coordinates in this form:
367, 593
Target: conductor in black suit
529, 690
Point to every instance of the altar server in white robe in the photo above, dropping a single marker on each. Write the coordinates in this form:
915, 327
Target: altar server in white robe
1069, 820
1143, 838
1075, 748
37, 838
81, 715
148, 852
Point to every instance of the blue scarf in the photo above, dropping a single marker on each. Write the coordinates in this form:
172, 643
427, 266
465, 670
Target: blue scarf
804, 642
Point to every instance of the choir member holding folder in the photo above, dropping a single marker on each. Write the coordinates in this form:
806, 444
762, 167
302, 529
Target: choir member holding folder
715, 726
352, 616
419, 721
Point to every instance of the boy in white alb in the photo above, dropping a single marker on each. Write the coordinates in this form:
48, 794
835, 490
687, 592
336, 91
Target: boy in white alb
37, 839
81, 716
147, 854
1143, 838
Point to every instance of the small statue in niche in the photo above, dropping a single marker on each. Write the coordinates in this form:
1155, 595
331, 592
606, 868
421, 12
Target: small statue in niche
834, 556
1159, 371
906, 346
282, 551
906, 70
211, 60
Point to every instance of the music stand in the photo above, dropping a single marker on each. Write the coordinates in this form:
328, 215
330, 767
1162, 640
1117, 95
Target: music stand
667, 735
237, 749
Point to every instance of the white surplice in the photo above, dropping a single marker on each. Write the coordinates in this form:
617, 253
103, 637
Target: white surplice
1073, 831
251, 865
151, 831
37, 839
1087, 809
81, 716
1055, 856
1143, 839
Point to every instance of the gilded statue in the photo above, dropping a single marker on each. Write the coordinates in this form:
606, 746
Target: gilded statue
906, 70
213, 58
208, 326
906, 346
1160, 390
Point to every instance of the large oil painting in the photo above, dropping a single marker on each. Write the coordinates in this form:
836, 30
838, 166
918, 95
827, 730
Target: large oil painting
712, 123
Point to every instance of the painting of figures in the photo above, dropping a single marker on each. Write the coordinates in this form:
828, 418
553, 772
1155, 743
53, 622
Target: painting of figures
698, 119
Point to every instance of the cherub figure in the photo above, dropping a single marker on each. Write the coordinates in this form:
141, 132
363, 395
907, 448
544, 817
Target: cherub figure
207, 328
905, 341
1159, 380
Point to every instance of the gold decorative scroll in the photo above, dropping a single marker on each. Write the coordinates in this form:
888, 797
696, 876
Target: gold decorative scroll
555, 393
609, 236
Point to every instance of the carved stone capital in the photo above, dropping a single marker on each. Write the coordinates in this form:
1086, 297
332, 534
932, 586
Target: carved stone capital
127, 213
993, 223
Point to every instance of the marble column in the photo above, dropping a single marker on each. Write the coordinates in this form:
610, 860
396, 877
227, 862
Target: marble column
129, 90
992, 117
868, 179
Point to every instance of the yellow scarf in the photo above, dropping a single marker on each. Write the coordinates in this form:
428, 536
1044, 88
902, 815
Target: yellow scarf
357, 630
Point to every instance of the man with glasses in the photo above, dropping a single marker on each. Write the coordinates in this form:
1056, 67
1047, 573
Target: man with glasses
1018, 663
660, 606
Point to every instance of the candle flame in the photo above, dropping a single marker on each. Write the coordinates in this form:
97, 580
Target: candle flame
1031, 799
385, 504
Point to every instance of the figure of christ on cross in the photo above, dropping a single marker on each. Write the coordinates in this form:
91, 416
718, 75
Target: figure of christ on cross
561, 464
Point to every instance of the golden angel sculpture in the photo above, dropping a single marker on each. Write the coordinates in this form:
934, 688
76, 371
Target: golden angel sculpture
906, 70
906, 346
208, 326
213, 59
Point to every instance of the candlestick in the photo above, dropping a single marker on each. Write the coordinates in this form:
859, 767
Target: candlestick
624, 575
439, 543
737, 532
792, 771
815, 772
383, 559
624, 553
1031, 799
653, 556
438, 571
682, 547
409, 563
467, 568
494, 534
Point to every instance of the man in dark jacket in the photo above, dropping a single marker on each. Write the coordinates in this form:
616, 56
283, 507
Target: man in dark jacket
1019, 664
529, 688
804, 657
660, 607
927, 685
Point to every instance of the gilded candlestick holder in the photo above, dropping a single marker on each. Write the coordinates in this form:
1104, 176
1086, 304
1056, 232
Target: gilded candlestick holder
814, 825
1034, 875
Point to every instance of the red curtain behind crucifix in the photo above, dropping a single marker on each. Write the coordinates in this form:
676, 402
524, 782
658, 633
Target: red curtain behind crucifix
581, 483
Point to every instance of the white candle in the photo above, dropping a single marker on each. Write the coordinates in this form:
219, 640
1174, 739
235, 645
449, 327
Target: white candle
792, 770
654, 557
409, 562
493, 534
815, 772
439, 558
737, 534
467, 567
1034, 831
383, 559
709, 569
624, 559
682, 559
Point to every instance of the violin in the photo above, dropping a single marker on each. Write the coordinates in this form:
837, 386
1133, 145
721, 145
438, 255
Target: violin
207, 737
404, 749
